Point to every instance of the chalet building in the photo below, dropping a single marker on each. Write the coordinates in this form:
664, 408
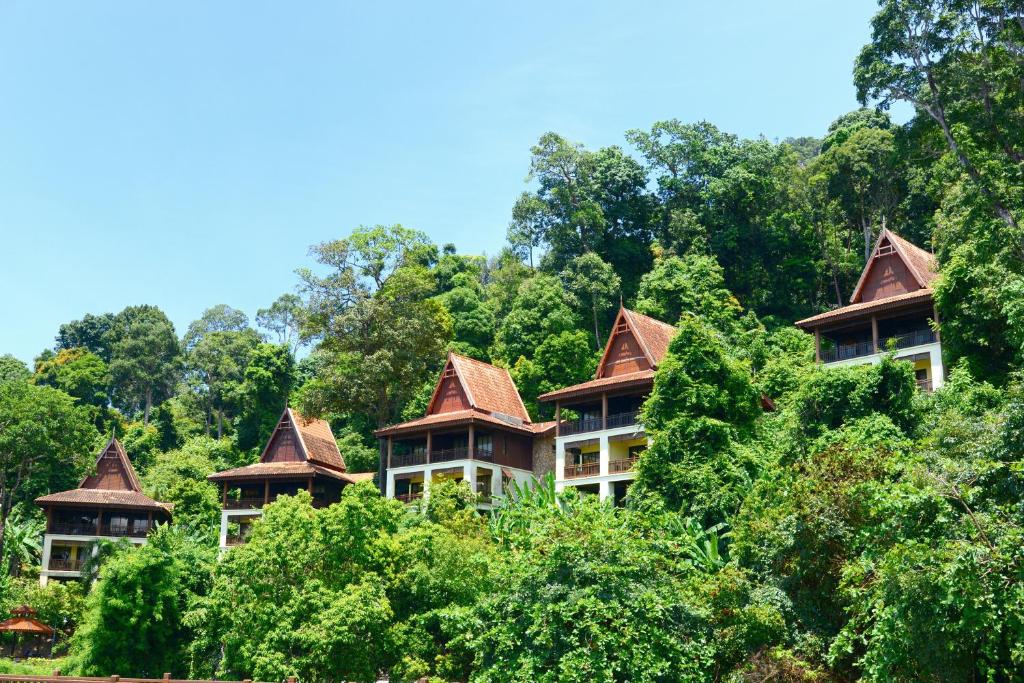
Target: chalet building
598, 435
301, 454
476, 429
892, 307
108, 504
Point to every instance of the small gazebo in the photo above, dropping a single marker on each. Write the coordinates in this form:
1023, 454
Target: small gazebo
31, 638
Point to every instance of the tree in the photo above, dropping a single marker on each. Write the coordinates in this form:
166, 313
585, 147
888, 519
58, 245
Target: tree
734, 198
179, 477
473, 323
92, 332
958, 63
262, 393
692, 284
585, 202
595, 284
699, 417
561, 360
45, 439
13, 370
218, 347
133, 618
145, 358
542, 308
283, 318
380, 331
79, 373
23, 540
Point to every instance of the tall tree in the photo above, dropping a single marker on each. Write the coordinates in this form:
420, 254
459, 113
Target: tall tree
91, 332
380, 331
217, 350
596, 286
79, 373
145, 358
45, 439
13, 370
959, 63
284, 319
542, 308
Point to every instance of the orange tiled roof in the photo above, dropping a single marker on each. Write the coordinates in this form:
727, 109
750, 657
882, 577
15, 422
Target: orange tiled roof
459, 417
921, 264
274, 470
854, 310
489, 387
629, 379
317, 440
653, 334
105, 497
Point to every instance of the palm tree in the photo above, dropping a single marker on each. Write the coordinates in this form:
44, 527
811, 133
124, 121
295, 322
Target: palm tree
23, 544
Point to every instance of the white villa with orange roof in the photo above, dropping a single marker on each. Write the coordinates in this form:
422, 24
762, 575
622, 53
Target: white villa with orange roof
892, 307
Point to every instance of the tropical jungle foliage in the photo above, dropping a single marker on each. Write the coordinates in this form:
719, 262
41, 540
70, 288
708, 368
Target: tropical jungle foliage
863, 530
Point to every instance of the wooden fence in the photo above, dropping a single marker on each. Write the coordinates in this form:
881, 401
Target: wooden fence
57, 678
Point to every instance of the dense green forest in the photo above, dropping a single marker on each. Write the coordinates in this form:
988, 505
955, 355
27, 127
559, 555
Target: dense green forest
863, 530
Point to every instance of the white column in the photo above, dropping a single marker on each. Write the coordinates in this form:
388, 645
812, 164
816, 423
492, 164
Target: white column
223, 528
469, 475
935, 356
428, 477
389, 484
559, 464
496, 480
605, 456
605, 489
47, 551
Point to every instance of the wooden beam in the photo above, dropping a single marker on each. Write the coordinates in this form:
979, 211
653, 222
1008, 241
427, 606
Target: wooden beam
817, 345
874, 333
471, 439
266, 491
604, 410
99, 522
224, 495
390, 448
430, 444
935, 319
558, 416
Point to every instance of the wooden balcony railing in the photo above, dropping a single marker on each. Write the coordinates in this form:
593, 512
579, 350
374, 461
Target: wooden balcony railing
409, 497
866, 348
408, 459
66, 564
125, 530
73, 528
924, 385
589, 424
587, 469
244, 503
596, 424
620, 466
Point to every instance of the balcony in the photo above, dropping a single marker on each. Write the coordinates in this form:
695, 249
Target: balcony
442, 455
620, 466
409, 497
596, 424
74, 528
244, 503
66, 564
408, 459
133, 531
866, 348
587, 469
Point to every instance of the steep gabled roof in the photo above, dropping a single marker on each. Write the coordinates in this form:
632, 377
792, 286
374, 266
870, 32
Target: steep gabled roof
921, 264
653, 336
101, 488
488, 388
315, 438
116, 452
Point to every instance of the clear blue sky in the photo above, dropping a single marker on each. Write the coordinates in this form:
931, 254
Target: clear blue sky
187, 153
